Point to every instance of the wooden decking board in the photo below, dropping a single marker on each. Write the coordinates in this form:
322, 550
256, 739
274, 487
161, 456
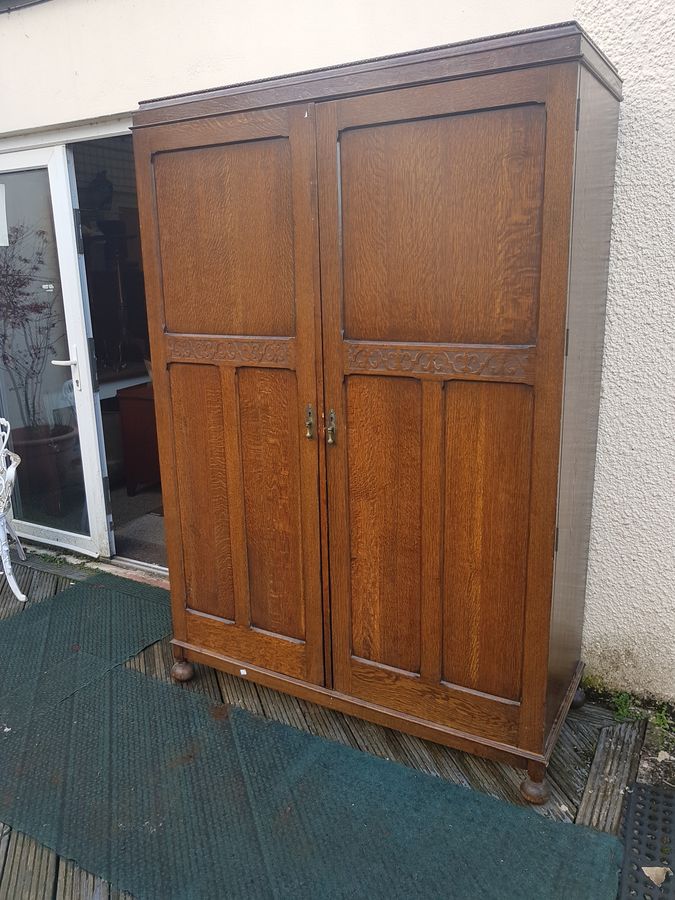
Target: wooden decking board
46, 584
40, 563
29, 872
592, 714
5, 834
282, 708
378, 741
586, 737
582, 735
591, 765
446, 764
43, 586
9, 605
327, 723
614, 767
239, 692
492, 778
417, 755
571, 762
208, 683
374, 739
155, 661
73, 883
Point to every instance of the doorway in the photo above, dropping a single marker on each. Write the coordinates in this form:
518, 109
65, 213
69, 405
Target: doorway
46, 390
108, 213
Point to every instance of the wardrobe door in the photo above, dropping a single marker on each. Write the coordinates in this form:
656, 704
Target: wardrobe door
434, 210
230, 247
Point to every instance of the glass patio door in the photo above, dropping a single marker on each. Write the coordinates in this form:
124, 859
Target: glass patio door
46, 385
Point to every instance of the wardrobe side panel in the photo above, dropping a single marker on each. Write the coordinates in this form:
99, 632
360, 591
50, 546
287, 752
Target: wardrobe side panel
589, 262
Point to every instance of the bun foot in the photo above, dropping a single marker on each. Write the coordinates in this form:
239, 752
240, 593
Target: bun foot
579, 698
535, 787
182, 670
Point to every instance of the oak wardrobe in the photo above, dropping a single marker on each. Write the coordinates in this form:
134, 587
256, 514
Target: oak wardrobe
376, 302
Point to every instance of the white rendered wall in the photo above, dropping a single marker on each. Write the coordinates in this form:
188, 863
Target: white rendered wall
68, 60
72, 60
629, 631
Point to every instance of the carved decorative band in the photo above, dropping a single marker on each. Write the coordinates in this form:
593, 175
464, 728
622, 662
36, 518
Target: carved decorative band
471, 361
268, 352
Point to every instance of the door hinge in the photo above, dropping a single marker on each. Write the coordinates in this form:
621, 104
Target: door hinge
77, 219
567, 342
557, 533
578, 112
106, 495
92, 364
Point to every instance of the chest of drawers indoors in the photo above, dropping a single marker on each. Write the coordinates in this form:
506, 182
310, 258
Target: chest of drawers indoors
376, 301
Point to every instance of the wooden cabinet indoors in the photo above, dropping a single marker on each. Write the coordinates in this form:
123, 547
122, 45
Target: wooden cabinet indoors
376, 298
139, 437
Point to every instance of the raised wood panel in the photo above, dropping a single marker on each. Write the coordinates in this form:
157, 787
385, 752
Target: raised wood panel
247, 645
226, 238
412, 268
385, 440
488, 430
199, 461
484, 716
268, 413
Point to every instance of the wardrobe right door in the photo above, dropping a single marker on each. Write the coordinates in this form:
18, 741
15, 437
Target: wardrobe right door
434, 205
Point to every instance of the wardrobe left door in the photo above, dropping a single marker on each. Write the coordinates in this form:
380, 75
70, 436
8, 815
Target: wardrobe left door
229, 230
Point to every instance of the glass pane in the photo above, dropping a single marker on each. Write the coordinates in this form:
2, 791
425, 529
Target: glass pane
35, 396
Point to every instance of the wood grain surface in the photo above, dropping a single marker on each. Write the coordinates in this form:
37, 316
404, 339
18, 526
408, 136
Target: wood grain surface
441, 225
397, 255
432, 208
226, 236
488, 430
230, 244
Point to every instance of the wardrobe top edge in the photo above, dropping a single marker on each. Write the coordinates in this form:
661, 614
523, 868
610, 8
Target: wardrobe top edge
547, 44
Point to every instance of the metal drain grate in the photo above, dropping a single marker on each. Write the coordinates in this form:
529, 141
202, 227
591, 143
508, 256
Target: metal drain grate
649, 836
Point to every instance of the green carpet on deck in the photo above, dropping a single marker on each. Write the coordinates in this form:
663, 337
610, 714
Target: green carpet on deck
169, 796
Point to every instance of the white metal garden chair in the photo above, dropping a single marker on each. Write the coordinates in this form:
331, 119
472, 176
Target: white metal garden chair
8, 465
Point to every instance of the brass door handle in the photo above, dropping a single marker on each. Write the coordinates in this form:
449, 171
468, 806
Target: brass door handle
309, 422
331, 427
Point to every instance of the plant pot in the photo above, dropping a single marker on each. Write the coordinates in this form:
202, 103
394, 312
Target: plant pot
48, 456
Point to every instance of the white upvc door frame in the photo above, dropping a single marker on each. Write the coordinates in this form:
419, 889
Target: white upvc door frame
55, 159
111, 126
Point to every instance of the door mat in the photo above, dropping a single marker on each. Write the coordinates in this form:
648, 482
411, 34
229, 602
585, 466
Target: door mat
53, 648
143, 539
170, 797
649, 829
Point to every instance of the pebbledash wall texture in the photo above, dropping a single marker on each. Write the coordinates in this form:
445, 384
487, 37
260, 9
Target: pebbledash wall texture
66, 61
